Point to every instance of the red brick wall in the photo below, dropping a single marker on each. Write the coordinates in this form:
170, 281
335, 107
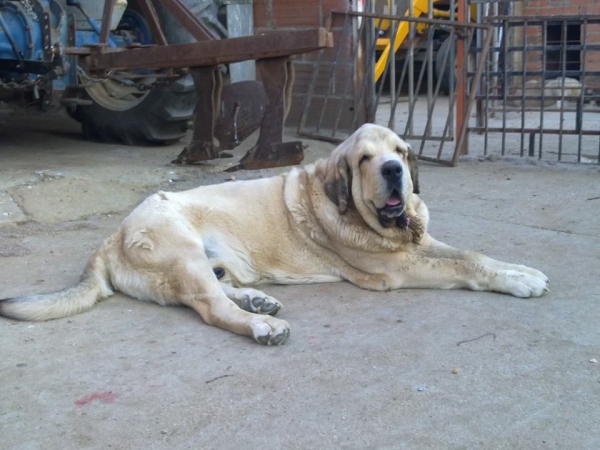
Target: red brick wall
561, 7
296, 14
566, 8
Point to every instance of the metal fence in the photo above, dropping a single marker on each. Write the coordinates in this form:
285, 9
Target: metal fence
534, 81
540, 89
423, 89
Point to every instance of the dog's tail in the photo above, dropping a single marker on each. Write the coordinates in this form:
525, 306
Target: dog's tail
93, 287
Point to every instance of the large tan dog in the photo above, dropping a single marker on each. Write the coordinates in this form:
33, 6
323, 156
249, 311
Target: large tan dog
353, 216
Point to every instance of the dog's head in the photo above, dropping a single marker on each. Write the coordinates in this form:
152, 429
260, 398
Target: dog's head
376, 172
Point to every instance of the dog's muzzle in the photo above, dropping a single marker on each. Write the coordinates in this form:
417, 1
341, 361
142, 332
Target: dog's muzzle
394, 210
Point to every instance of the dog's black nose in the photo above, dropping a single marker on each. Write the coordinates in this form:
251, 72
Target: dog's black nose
391, 171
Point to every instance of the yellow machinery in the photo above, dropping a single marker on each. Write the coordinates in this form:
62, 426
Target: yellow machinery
419, 8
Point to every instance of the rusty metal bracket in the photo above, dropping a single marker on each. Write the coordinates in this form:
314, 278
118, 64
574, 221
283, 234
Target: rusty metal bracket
278, 78
270, 151
272, 50
209, 53
208, 82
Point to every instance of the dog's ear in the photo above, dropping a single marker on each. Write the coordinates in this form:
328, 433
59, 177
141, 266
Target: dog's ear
414, 169
338, 179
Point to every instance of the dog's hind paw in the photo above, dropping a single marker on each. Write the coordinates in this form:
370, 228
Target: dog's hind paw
270, 331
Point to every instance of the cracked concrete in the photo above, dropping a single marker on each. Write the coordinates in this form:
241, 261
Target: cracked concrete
60, 200
362, 370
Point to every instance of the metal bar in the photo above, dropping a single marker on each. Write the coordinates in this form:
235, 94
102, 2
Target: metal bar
536, 97
478, 43
411, 62
411, 108
524, 63
380, 89
531, 145
463, 132
331, 75
544, 57
487, 94
398, 91
109, 6
429, 63
149, 14
582, 81
189, 21
311, 87
461, 115
437, 22
452, 63
517, 130
370, 63
574, 47
562, 90
548, 73
364, 84
268, 45
392, 121
538, 20
430, 110
504, 83
448, 125
361, 31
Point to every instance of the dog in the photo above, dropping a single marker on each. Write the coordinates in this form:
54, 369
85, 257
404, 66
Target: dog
354, 216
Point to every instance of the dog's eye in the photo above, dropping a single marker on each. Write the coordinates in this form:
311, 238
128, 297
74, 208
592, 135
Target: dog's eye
364, 159
400, 151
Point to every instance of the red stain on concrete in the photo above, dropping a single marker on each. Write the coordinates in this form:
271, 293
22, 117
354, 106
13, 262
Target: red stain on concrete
103, 397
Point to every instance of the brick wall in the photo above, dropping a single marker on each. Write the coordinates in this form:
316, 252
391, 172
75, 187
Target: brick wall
293, 15
567, 8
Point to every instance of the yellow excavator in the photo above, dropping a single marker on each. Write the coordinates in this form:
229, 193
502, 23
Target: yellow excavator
420, 8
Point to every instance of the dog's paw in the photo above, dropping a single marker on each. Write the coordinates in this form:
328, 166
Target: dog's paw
532, 272
519, 284
258, 302
268, 330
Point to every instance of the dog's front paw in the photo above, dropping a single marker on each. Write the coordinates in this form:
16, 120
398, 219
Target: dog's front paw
533, 273
258, 302
268, 330
519, 284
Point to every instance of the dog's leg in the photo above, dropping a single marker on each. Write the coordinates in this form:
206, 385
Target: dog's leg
252, 300
199, 289
435, 249
422, 272
182, 274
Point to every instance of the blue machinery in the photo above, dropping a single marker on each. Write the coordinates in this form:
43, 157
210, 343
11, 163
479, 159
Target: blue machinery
34, 34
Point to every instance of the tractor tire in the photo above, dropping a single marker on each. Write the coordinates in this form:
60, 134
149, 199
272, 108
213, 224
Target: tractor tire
445, 73
159, 116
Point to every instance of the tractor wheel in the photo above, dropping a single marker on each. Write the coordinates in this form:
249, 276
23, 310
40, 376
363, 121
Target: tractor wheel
445, 73
122, 112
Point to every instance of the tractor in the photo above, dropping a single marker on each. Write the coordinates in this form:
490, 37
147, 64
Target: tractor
42, 43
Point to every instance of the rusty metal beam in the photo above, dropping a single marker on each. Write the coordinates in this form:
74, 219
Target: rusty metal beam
150, 15
188, 20
209, 53
109, 6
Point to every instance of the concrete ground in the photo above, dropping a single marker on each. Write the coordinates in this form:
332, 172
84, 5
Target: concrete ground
362, 370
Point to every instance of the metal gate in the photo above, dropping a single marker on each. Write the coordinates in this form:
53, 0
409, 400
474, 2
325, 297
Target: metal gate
540, 89
413, 89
